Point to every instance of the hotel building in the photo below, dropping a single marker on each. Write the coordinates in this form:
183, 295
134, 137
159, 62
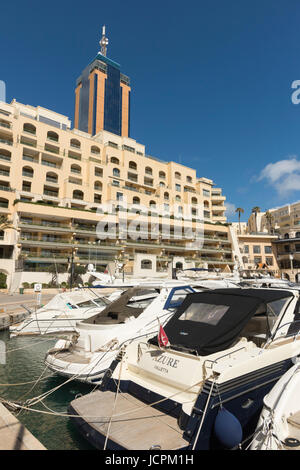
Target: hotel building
55, 181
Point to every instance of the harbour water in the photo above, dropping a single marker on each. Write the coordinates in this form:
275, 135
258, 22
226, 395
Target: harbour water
25, 363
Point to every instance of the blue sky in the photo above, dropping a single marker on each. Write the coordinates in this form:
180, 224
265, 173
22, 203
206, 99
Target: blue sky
211, 81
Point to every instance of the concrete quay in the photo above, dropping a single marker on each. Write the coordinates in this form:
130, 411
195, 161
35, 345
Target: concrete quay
14, 435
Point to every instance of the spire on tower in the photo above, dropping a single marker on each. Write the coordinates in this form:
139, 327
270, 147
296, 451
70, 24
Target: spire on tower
103, 42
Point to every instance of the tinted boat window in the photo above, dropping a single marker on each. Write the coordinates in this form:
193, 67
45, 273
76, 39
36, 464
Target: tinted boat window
204, 313
275, 308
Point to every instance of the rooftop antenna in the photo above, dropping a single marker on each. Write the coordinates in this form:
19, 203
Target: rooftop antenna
103, 42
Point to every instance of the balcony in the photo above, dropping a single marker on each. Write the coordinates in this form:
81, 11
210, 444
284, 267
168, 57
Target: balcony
6, 141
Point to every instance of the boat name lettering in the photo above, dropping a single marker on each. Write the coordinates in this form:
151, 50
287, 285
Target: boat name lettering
167, 361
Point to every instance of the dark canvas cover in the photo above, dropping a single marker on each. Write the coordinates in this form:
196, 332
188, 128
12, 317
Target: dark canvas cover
236, 307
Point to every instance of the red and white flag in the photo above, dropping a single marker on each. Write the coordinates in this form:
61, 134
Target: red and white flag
163, 340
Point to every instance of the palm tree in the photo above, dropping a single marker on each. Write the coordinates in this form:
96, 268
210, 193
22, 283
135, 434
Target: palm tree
269, 219
256, 210
240, 211
5, 223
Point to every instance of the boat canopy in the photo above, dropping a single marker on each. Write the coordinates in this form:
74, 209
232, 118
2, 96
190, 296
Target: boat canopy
208, 322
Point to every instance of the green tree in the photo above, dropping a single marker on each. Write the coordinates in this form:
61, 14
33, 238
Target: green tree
269, 220
78, 271
5, 223
55, 269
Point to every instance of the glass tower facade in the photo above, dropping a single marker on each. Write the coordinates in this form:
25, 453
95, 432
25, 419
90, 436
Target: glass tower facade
103, 98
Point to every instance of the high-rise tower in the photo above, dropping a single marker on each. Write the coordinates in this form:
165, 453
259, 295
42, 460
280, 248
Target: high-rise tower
102, 96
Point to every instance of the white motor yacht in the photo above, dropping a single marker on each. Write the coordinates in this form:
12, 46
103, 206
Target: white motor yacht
136, 313
64, 310
204, 390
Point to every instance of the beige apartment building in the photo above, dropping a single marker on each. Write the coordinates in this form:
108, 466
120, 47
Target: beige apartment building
54, 181
254, 251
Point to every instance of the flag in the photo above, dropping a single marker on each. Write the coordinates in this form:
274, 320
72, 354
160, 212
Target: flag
162, 338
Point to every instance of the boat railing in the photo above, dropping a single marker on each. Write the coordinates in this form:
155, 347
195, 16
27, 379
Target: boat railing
214, 361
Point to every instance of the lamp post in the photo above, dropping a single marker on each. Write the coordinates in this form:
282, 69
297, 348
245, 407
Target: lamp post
291, 256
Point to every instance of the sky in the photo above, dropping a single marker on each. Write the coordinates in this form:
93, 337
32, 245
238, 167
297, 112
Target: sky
211, 81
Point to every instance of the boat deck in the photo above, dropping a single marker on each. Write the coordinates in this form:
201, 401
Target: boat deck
135, 425
71, 357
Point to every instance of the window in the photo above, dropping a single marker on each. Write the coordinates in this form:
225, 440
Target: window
95, 150
132, 165
29, 128
162, 184
177, 198
115, 161
116, 172
268, 250
257, 259
26, 186
119, 196
256, 249
177, 175
78, 194
52, 136
166, 196
162, 175
136, 200
146, 264
98, 172
246, 249
194, 200
51, 177
189, 179
205, 193
98, 186
76, 169
204, 313
177, 187
27, 171
269, 260
75, 143
148, 170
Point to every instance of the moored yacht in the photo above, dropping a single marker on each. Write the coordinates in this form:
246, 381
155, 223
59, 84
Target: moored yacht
63, 311
226, 349
136, 313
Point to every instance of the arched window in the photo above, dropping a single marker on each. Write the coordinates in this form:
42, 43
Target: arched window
189, 179
206, 204
194, 200
116, 172
51, 177
132, 165
245, 259
29, 128
286, 235
166, 196
52, 136
179, 265
177, 198
75, 143
76, 169
148, 170
297, 234
146, 264
152, 204
136, 200
177, 175
115, 161
77, 194
98, 185
27, 171
95, 150
162, 175
162, 184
